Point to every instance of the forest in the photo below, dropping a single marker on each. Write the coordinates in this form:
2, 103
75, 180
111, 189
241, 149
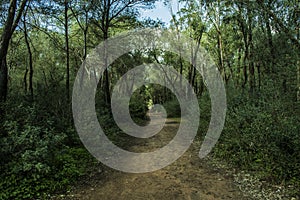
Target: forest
255, 45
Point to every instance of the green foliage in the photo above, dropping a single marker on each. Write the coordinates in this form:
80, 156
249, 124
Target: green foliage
138, 105
35, 159
262, 135
40, 150
172, 108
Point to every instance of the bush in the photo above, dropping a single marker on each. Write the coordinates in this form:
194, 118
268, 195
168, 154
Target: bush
173, 108
35, 158
263, 136
138, 106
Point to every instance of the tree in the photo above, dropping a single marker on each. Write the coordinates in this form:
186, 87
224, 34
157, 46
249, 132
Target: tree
66, 27
80, 11
14, 15
298, 82
196, 21
215, 14
291, 33
26, 36
108, 14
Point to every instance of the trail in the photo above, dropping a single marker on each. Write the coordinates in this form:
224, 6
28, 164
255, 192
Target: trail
189, 178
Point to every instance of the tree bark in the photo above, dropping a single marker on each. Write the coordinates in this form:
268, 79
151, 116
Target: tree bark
217, 25
30, 60
251, 48
270, 41
259, 76
105, 21
246, 56
12, 21
3, 79
239, 67
298, 80
106, 84
5, 39
221, 54
67, 49
25, 78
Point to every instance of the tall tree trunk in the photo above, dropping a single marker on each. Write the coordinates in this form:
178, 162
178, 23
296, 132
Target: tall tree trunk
106, 25
3, 78
85, 32
180, 60
12, 21
245, 71
221, 54
298, 81
25, 78
67, 49
259, 76
217, 25
251, 49
298, 63
270, 41
239, 67
106, 79
244, 29
193, 66
4, 44
266, 29
85, 43
30, 59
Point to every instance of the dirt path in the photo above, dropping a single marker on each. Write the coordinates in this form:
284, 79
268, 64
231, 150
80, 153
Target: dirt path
187, 178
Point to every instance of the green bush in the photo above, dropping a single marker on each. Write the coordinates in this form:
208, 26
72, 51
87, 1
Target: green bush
35, 158
173, 108
138, 106
263, 136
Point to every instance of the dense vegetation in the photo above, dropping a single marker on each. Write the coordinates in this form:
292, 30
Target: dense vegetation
255, 44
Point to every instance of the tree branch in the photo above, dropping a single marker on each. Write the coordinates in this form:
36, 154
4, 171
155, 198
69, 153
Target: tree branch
20, 12
280, 24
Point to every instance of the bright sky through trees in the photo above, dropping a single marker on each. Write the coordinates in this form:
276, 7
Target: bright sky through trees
161, 11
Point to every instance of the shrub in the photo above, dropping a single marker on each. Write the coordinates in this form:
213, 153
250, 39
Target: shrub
173, 108
263, 137
35, 158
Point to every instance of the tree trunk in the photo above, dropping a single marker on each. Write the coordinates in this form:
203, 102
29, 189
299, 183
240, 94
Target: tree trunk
251, 63
259, 76
246, 56
270, 41
244, 31
106, 77
245, 71
9, 28
298, 80
105, 28
85, 32
3, 79
85, 43
5, 39
239, 67
25, 78
30, 60
67, 50
221, 55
